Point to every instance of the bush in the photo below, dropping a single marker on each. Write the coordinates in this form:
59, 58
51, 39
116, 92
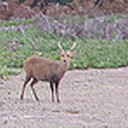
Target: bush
105, 27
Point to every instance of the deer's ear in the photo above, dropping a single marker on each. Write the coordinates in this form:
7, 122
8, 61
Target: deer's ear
58, 52
73, 52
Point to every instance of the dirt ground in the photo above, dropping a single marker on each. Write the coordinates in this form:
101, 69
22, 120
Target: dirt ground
93, 98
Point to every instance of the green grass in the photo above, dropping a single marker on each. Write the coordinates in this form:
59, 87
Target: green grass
15, 22
89, 53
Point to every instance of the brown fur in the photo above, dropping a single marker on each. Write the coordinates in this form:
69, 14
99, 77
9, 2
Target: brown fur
42, 69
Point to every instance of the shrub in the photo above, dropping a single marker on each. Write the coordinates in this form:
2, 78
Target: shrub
105, 27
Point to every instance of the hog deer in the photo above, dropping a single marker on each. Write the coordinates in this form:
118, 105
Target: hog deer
39, 68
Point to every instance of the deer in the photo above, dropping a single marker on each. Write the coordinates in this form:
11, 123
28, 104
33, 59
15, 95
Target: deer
38, 68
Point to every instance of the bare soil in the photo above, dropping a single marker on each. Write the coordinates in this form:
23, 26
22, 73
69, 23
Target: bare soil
93, 98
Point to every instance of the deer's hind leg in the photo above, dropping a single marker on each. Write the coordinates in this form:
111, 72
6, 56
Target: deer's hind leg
33, 90
24, 87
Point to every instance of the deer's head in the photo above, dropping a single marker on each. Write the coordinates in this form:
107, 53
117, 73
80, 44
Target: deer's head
65, 56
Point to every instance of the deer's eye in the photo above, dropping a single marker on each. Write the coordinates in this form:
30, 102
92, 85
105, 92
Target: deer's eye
68, 55
62, 55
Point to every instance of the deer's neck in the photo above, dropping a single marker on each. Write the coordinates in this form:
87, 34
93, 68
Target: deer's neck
65, 65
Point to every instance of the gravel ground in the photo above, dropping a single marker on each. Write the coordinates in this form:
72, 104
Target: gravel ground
93, 98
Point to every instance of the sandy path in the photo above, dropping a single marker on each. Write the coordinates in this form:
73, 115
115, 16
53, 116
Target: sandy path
93, 98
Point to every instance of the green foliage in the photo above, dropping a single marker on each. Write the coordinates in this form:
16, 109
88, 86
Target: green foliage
5, 71
15, 22
104, 54
89, 53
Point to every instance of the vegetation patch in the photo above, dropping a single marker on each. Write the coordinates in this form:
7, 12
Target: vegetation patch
15, 22
94, 53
